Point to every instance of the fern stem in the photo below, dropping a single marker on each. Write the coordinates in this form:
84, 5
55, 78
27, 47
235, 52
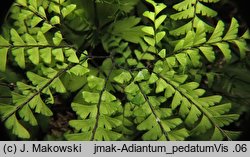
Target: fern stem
152, 109
196, 104
184, 94
202, 45
34, 12
150, 105
99, 102
37, 93
11, 86
46, 20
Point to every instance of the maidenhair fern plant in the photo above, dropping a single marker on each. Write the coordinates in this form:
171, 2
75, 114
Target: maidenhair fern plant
124, 69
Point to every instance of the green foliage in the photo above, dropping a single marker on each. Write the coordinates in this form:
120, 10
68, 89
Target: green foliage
126, 77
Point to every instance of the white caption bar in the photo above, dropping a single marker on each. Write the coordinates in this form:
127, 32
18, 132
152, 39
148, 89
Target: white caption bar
131, 149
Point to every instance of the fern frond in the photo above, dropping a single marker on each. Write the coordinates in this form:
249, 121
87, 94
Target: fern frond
184, 5
29, 99
186, 14
204, 10
36, 48
127, 29
28, 40
155, 120
219, 38
99, 108
191, 10
192, 107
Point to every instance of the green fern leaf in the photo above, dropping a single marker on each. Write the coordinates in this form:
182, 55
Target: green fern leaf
36, 79
19, 56
232, 134
55, 7
154, 130
41, 10
185, 108
159, 36
41, 39
22, 2
176, 100
17, 40
142, 75
232, 31
217, 135
34, 55
150, 15
150, 41
182, 29
149, 30
27, 115
218, 32
208, 27
45, 54
46, 27
246, 35
58, 53
107, 135
159, 8
58, 86
204, 125
78, 136
3, 58
55, 20
178, 135
200, 36
57, 38
68, 9
208, 53
128, 30
184, 5
186, 14
193, 116
17, 129
160, 85
224, 120
210, 100
159, 21
84, 110
220, 109
194, 57
33, 4
204, 10
182, 59
224, 47
95, 82
79, 70
39, 106
5, 110
91, 97
242, 45
35, 21
71, 54
122, 78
